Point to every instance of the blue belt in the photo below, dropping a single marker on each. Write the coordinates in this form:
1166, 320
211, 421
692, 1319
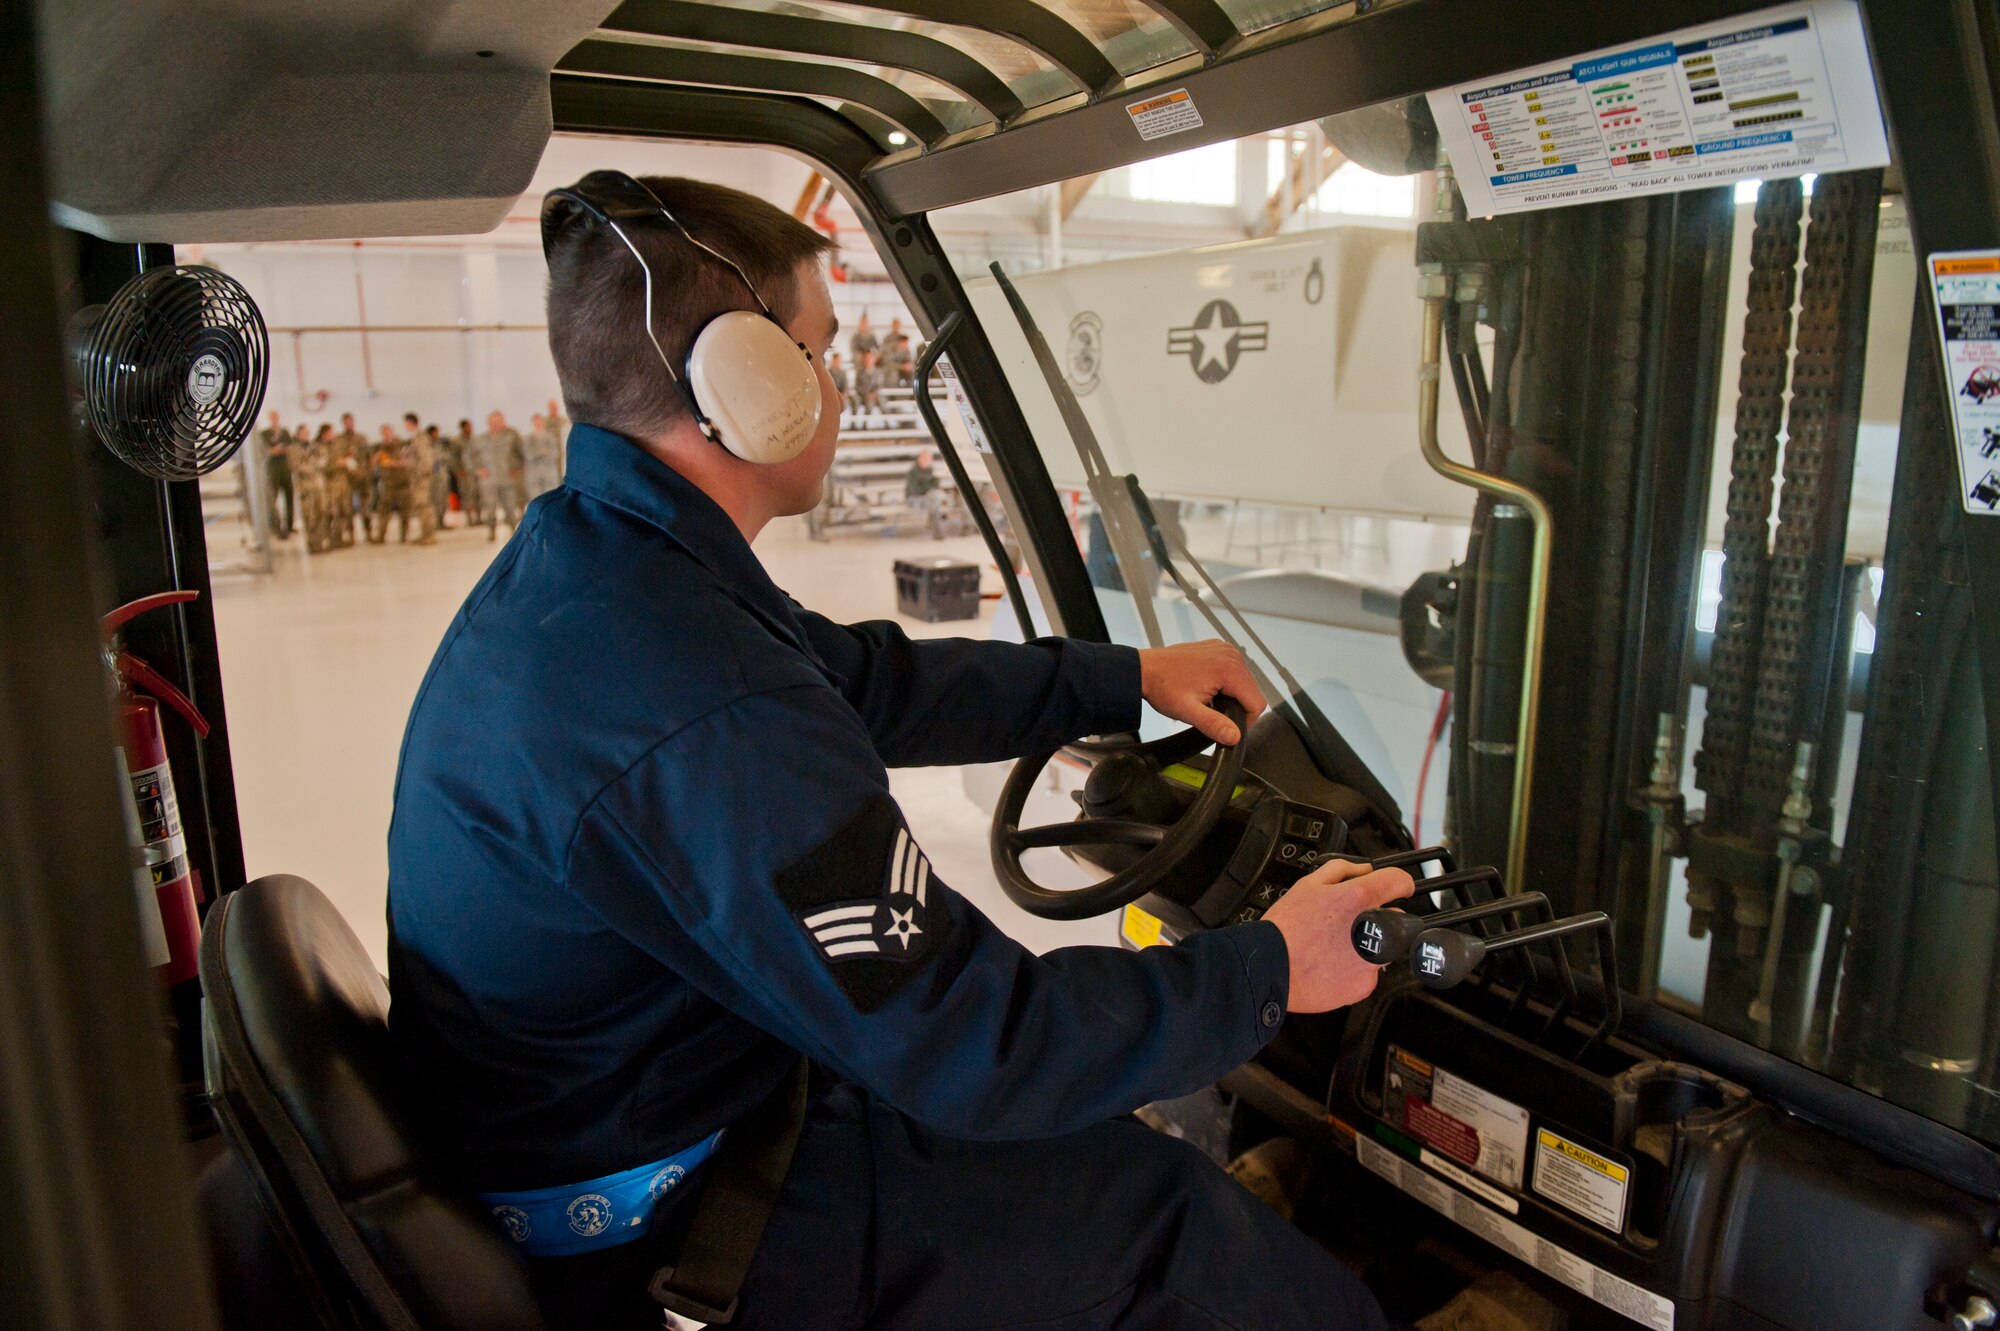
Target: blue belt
600, 1213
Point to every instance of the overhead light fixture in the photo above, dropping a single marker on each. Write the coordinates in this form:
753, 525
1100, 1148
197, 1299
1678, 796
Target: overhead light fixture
897, 138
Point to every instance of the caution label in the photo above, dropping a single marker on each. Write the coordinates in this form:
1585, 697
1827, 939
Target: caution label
1169, 113
1642, 1305
1968, 306
1141, 928
1579, 1179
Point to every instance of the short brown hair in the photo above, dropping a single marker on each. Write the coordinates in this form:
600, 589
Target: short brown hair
610, 375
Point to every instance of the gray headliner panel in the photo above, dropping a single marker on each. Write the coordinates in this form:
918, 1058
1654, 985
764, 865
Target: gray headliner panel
267, 120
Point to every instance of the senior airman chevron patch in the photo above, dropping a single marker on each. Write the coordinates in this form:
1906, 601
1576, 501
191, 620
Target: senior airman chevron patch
865, 898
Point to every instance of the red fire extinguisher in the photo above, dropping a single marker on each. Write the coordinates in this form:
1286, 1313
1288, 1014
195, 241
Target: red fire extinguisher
141, 690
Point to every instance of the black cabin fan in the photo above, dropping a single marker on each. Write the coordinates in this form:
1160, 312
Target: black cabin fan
173, 370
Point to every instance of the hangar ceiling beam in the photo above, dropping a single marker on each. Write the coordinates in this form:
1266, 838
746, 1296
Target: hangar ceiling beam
1291, 196
1073, 191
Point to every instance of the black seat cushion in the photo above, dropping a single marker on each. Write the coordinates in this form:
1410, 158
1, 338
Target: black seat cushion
303, 1078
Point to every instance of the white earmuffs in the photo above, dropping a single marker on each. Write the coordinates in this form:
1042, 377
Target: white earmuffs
752, 386
755, 386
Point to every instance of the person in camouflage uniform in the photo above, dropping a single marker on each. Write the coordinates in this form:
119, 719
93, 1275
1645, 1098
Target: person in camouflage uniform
374, 514
274, 444
309, 480
335, 490
350, 447
406, 486
541, 460
417, 456
417, 459
464, 473
440, 475
496, 460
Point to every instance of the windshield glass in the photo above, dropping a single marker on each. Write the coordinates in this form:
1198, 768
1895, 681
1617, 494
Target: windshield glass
1238, 331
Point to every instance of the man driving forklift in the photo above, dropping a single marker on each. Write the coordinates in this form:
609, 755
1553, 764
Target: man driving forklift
658, 926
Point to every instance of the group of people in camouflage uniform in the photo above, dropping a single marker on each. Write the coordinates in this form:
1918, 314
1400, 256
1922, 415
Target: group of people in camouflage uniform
325, 482
881, 360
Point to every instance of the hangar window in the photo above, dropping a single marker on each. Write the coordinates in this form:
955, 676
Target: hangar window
1344, 188
1200, 175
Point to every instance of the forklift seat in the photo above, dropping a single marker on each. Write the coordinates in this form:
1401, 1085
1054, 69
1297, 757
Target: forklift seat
302, 1077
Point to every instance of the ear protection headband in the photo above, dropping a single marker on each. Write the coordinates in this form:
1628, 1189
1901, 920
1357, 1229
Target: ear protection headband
750, 384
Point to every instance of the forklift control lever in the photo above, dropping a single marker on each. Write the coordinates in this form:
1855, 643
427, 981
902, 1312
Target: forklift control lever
1444, 956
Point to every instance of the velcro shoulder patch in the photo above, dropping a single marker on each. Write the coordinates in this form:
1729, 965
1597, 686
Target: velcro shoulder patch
865, 899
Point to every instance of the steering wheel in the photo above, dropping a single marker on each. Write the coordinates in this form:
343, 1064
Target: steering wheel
1166, 847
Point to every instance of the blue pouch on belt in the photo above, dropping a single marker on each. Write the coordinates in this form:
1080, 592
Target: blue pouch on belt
599, 1213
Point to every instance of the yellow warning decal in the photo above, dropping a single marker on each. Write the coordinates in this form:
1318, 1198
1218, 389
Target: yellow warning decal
1580, 1179
1610, 1169
1140, 928
1961, 267
1411, 1061
1156, 103
1169, 113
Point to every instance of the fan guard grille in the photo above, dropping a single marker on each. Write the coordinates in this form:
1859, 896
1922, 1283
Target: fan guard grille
174, 371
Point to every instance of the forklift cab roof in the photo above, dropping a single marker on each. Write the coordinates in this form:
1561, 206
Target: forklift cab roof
264, 124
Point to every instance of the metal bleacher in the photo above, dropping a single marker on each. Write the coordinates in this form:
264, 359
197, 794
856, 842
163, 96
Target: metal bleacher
867, 485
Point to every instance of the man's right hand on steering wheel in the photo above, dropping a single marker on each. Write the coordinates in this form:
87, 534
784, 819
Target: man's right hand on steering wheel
1317, 919
1182, 681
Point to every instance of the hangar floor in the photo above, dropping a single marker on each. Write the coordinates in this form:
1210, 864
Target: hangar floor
322, 657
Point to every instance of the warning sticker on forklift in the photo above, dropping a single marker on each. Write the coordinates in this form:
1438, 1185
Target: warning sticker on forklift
1576, 1177
1779, 92
1585, 1277
1967, 286
966, 415
1471, 1182
1141, 928
1458, 1120
1167, 113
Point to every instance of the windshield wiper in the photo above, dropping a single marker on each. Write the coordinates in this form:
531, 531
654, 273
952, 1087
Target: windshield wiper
1129, 520
1121, 524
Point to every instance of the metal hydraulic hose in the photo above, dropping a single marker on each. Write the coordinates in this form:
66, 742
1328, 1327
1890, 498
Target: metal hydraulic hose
1435, 288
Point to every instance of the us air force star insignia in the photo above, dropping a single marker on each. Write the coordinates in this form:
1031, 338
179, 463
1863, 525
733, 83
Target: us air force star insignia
1216, 339
903, 927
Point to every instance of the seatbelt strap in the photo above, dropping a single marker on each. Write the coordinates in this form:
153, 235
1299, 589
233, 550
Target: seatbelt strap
746, 1173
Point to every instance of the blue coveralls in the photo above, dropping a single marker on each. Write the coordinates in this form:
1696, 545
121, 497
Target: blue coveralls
644, 850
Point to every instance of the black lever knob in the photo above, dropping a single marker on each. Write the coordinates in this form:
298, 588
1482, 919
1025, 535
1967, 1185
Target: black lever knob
1444, 957
1383, 935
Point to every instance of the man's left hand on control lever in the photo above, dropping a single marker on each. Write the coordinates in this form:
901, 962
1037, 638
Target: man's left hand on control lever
1182, 682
